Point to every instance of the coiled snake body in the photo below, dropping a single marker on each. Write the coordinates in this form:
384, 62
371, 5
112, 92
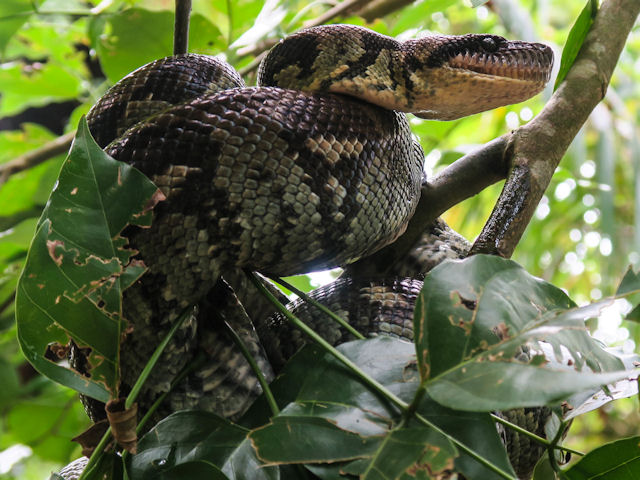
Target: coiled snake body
313, 173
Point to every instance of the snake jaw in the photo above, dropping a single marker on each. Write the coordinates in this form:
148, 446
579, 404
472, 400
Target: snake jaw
490, 70
529, 64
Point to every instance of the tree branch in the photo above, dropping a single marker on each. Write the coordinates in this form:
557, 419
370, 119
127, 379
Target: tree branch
380, 8
181, 27
36, 157
537, 148
332, 13
260, 48
527, 157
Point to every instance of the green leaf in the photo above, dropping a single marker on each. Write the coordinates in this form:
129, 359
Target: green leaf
463, 303
487, 386
473, 316
70, 286
39, 86
619, 460
152, 34
13, 14
575, 39
189, 437
346, 411
195, 469
630, 283
315, 432
408, 452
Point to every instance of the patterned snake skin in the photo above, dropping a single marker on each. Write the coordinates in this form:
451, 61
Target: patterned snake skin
316, 172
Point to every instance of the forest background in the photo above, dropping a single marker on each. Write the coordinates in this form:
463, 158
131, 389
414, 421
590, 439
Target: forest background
57, 57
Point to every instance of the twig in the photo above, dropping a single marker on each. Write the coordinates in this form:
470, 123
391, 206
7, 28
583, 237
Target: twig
181, 27
334, 12
380, 8
340, 321
36, 157
264, 384
536, 149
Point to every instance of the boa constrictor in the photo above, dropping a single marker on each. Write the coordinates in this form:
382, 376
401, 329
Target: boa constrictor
314, 168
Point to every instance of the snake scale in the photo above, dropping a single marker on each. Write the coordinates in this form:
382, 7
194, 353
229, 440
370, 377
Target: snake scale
315, 168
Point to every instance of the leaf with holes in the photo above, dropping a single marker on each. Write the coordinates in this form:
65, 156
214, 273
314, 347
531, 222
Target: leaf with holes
473, 318
353, 429
77, 266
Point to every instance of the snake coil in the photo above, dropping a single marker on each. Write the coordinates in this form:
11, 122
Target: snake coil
315, 168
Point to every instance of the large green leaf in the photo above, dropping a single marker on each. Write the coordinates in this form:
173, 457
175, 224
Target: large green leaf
70, 287
619, 460
48, 83
473, 316
197, 441
13, 14
361, 428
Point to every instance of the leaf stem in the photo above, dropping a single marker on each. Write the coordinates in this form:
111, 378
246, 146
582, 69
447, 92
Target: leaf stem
327, 346
137, 387
373, 384
477, 457
417, 398
551, 451
532, 435
320, 307
97, 454
197, 362
256, 369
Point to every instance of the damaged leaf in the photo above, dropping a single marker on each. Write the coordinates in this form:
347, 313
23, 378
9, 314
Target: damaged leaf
77, 265
490, 336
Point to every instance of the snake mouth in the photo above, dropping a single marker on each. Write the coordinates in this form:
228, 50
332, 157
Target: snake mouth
495, 56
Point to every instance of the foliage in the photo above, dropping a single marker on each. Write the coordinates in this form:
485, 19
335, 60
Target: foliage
584, 236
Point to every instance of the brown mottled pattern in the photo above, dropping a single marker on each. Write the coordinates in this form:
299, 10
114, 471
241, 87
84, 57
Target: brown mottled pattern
244, 188
285, 181
437, 76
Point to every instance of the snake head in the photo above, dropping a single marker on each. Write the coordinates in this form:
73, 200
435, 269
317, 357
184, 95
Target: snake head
454, 76
438, 77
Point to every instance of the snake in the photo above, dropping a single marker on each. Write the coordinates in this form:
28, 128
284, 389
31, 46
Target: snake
314, 168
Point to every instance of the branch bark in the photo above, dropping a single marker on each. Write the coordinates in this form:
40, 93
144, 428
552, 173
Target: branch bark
35, 157
181, 27
380, 8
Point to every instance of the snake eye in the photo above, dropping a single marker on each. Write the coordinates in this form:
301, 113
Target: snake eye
490, 44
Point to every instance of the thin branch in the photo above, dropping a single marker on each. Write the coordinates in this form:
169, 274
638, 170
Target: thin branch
334, 12
181, 27
380, 8
35, 157
537, 148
